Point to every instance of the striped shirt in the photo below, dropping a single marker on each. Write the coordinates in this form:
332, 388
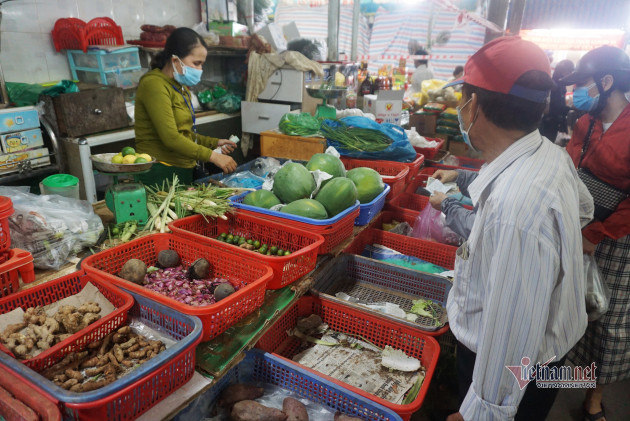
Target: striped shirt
519, 279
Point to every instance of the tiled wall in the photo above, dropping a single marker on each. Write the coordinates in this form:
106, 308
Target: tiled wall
27, 52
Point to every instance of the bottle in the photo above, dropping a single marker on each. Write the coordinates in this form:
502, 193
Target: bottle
366, 87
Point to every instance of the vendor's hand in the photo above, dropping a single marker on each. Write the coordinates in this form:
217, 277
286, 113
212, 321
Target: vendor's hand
455, 417
436, 200
227, 146
445, 176
225, 162
588, 247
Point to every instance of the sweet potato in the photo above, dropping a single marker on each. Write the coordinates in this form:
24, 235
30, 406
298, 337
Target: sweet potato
343, 417
253, 411
239, 392
295, 410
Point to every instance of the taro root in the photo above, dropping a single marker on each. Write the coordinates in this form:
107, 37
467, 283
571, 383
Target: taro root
200, 269
134, 270
168, 258
222, 291
295, 410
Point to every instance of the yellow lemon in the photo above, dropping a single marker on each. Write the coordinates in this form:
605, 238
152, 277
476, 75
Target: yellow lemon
129, 159
117, 159
146, 156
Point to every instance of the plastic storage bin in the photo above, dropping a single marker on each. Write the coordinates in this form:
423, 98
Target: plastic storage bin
369, 210
260, 367
429, 153
376, 329
430, 251
217, 317
30, 395
18, 263
107, 68
6, 210
373, 281
394, 173
55, 290
65, 185
139, 390
286, 269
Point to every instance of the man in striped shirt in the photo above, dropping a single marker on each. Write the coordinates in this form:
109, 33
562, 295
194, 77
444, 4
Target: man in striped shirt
519, 281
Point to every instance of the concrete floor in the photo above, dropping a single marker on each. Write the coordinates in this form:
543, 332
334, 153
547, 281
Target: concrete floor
441, 400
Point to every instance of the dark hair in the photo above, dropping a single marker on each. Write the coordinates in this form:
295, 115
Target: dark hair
510, 112
563, 68
421, 52
621, 80
458, 70
180, 43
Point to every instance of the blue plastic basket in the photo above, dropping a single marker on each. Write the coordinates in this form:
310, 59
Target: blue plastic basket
370, 210
259, 366
142, 388
237, 202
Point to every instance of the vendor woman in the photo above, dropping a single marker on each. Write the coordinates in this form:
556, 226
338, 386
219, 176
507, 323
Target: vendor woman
164, 116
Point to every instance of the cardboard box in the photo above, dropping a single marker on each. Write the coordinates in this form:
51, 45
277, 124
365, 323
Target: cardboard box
19, 141
425, 124
9, 162
386, 106
276, 144
227, 28
458, 148
290, 31
272, 33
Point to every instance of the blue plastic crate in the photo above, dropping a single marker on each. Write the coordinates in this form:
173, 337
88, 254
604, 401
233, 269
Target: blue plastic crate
259, 366
162, 373
370, 210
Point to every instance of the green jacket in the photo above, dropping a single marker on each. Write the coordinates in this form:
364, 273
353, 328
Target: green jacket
163, 123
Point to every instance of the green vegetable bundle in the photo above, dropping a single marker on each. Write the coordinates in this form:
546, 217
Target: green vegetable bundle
356, 138
302, 124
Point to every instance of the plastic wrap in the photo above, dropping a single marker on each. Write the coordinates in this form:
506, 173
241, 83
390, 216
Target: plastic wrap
430, 225
597, 292
53, 228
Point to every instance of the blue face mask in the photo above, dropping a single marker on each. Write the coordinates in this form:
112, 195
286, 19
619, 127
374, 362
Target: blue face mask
190, 75
461, 126
582, 100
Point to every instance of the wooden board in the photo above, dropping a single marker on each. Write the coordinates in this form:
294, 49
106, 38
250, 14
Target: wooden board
279, 145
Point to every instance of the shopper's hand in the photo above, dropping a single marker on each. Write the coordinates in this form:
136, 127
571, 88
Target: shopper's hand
588, 247
445, 176
225, 162
227, 146
455, 417
436, 200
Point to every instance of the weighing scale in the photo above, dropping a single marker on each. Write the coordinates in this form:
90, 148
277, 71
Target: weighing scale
127, 199
324, 110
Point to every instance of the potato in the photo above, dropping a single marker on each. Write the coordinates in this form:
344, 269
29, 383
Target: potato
239, 392
168, 258
253, 411
343, 417
295, 410
134, 270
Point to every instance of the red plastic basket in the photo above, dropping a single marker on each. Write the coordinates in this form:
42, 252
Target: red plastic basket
387, 217
55, 290
394, 173
30, 395
217, 317
439, 254
378, 330
420, 180
18, 263
6, 210
429, 153
286, 269
334, 234
75, 34
408, 201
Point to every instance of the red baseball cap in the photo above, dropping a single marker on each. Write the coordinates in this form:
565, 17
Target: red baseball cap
497, 66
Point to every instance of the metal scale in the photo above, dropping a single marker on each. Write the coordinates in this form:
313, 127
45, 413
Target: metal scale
326, 91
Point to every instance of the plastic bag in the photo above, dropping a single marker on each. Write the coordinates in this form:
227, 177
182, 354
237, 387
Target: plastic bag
23, 94
430, 225
243, 179
388, 255
302, 124
63, 87
227, 104
53, 228
399, 150
597, 292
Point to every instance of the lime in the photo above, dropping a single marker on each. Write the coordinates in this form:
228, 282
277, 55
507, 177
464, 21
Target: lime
280, 252
128, 150
273, 249
117, 159
223, 234
257, 244
230, 238
115, 230
236, 238
268, 253
241, 241
287, 253
250, 242
140, 160
263, 249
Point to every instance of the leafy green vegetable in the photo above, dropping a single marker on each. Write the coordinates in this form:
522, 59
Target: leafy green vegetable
357, 138
425, 308
413, 392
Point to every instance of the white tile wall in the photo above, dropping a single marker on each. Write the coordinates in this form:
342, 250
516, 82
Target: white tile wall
27, 53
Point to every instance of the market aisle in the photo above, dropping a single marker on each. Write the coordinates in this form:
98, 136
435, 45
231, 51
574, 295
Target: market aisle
616, 400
